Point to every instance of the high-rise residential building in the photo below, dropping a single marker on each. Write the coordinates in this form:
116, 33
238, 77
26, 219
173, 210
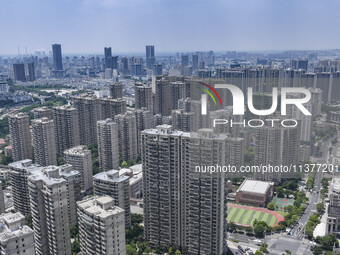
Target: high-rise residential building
168, 91
18, 175
157, 69
57, 57
66, 127
50, 211
333, 209
194, 62
150, 56
144, 120
136, 70
185, 60
127, 135
177, 210
73, 179
111, 107
183, 121
111, 184
31, 71
19, 72
276, 146
15, 236
101, 226
305, 122
44, 143
143, 96
108, 144
116, 90
81, 160
299, 64
316, 101
89, 112
42, 112
2, 200
19, 129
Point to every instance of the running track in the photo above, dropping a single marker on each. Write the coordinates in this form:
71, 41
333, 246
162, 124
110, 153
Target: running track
278, 216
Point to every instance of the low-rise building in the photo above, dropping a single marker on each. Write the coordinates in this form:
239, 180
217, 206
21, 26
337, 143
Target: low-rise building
254, 192
333, 210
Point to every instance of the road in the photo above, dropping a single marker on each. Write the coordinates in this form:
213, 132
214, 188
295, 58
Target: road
278, 243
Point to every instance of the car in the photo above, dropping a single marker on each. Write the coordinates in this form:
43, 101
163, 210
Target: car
247, 249
240, 248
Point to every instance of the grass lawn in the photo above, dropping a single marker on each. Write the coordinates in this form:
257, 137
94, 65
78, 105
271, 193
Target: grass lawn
246, 217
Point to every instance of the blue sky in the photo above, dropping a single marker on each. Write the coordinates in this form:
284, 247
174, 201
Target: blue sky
86, 26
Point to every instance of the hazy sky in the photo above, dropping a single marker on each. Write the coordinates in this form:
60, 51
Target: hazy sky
86, 26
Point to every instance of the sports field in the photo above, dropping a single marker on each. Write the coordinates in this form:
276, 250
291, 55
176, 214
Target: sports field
245, 215
282, 202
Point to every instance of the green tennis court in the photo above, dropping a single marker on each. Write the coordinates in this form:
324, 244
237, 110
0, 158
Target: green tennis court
283, 202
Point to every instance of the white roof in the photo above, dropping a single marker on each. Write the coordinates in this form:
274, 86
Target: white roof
254, 186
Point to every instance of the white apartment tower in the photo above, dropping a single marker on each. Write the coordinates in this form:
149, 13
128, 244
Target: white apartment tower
108, 143
81, 160
15, 237
101, 226
44, 143
184, 208
111, 184
50, 211
19, 128
66, 127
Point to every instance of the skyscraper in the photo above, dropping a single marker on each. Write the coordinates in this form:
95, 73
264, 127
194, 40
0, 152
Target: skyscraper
150, 56
81, 160
15, 236
108, 144
127, 135
116, 90
111, 184
143, 96
277, 146
66, 127
98, 217
157, 69
89, 112
19, 72
19, 128
31, 71
107, 56
185, 60
184, 208
194, 62
18, 175
50, 211
57, 57
44, 144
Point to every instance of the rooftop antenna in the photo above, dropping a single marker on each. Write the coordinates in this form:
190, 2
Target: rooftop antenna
18, 51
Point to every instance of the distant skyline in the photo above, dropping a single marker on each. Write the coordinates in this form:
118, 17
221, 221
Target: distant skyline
87, 26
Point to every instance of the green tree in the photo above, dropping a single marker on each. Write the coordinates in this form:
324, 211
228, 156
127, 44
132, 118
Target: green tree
259, 230
258, 252
171, 251
264, 247
178, 252
231, 226
74, 231
75, 247
130, 250
320, 208
271, 206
